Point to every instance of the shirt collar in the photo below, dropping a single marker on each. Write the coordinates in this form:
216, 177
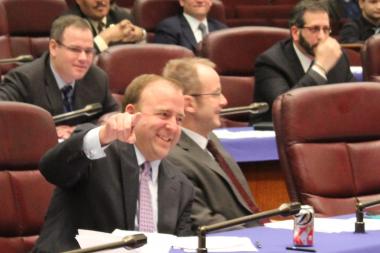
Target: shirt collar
197, 138
154, 164
194, 23
94, 23
58, 78
304, 59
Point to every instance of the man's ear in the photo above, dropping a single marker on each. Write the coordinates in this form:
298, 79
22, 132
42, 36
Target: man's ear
190, 104
130, 108
52, 47
294, 32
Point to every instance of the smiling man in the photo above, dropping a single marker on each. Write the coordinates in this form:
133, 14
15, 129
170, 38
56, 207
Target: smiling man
63, 79
189, 28
368, 24
110, 24
310, 57
116, 175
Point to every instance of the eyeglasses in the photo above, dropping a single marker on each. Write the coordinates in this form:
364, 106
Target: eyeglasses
317, 29
214, 94
78, 50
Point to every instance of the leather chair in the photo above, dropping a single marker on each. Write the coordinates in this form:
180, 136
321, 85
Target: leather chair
234, 52
5, 48
328, 140
125, 62
148, 13
27, 132
370, 58
29, 23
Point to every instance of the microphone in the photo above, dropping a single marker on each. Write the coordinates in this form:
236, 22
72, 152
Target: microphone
254, 108
359, 224
88, 111
284, 210
18, 59
130, 242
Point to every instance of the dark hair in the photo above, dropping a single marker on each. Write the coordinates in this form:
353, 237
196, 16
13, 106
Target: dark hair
297, 16
61, 23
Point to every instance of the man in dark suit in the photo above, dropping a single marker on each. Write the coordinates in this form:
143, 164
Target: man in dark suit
189, 28
217, 195
363, 27
67, 66
110, 23
97, 171
310, 57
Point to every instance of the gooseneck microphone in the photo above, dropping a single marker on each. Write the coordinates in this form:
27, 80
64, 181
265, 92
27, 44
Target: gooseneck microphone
254, 108
18, 59
130, 242
88, 111
285, 209
359, 224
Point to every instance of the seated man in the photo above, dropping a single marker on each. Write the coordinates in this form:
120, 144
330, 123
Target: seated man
189, 28
221, 190
368, 24
116, 175
110, 24
310, 57
63, 79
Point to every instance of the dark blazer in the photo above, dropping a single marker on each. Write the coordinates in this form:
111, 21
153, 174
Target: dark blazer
115, 15
216, 197
101, 194
278, 70
34, 83
358, 30
176, 30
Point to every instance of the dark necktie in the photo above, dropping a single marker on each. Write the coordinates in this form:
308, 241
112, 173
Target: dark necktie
67, 98
203, 30
226, 168
101, 26
146, 221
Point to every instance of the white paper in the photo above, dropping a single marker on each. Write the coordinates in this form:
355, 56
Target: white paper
329, 225
224, 133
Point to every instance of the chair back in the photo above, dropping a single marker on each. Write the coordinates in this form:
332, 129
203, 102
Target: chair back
328, 140
27, 132
370, 58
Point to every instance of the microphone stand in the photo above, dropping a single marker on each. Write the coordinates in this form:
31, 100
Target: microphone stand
359, 224
283, 210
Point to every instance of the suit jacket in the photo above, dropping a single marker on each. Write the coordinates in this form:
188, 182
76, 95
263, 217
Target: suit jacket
115, 15
358, 30
278, 70
216, 197
176, 30
34, 83
101, 194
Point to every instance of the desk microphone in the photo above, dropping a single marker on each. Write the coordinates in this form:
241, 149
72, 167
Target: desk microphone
285, 209
254, 108
18, 59
88, 111
359, 224
130, 242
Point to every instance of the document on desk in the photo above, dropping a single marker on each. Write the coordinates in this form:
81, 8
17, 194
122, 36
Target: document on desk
164, 242
225, 133
329, 225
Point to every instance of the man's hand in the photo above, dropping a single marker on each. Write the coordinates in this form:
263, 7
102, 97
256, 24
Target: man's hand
327, 53
120, 127
124, 31
64, 132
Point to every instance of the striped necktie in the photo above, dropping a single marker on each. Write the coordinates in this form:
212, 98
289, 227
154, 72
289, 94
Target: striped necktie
67, 98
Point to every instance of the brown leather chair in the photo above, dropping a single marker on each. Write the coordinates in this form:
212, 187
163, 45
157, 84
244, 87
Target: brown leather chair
125, 62
328, 140
27, 132
234, 52
370, 58
148, 13
5, 47
29, 23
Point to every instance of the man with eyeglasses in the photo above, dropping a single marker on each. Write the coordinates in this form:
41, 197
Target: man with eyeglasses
221, 190
63, 79
365, 26
310, 57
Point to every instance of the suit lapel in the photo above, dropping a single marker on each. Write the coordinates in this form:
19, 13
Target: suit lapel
130, 182
52, 91
187, 32
294, 62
